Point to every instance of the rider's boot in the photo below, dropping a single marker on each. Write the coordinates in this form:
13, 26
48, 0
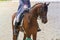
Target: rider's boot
38, 29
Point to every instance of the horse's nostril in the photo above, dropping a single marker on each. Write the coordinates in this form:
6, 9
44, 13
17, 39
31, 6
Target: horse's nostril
46, 21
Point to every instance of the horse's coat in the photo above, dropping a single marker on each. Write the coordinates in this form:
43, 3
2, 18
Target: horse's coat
30, 24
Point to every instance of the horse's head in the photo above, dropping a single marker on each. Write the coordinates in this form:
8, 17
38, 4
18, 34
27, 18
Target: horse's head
42, 9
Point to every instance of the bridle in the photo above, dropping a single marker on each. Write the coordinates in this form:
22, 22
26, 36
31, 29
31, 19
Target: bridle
42, 10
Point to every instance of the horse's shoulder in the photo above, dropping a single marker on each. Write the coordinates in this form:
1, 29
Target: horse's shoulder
28, 16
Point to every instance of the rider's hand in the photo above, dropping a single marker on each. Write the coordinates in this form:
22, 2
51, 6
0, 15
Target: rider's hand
25, 6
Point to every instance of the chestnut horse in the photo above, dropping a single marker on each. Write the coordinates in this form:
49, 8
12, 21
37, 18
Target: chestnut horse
30, 24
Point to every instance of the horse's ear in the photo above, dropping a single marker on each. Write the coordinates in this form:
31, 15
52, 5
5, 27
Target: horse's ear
48, 3
45, 3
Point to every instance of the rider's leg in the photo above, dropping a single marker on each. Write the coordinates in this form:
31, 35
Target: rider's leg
20, 17
17, 23
18, 20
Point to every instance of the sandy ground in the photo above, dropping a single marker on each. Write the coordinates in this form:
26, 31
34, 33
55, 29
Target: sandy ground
49, 31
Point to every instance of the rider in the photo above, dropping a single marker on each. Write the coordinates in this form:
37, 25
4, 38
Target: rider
24, 6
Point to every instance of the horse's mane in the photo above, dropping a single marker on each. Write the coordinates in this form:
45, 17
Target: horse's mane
45, 7
35, 5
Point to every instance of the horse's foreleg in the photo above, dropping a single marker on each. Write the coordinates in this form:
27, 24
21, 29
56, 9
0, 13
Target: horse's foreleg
15, 36
28, 37
34, 36
24, 36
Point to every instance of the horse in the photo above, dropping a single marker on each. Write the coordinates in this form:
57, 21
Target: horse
30, 24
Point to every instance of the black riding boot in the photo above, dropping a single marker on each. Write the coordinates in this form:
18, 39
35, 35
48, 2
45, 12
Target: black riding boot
38, 29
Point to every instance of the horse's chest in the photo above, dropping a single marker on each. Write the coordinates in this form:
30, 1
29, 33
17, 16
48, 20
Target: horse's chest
33, 22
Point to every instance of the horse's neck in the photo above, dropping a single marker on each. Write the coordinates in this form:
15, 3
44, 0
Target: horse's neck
33, 12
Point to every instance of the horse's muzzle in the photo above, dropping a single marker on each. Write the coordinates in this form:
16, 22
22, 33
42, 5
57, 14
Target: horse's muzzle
44, 21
